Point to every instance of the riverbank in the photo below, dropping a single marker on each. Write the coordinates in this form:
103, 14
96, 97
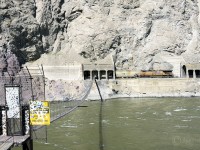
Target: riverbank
147, 87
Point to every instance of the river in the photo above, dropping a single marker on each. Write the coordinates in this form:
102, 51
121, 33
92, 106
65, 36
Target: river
128, 124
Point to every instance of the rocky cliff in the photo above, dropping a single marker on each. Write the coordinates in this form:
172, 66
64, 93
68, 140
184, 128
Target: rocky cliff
136, 32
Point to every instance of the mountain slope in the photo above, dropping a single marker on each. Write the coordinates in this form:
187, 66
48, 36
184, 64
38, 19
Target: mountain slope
136, 32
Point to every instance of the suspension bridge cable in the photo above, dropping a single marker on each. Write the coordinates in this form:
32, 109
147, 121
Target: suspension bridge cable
79, 102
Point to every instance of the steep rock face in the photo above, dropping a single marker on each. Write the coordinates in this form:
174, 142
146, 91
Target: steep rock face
136, 32
19, 33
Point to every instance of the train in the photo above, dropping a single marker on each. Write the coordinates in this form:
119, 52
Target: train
126, 74
144, 74
156, 74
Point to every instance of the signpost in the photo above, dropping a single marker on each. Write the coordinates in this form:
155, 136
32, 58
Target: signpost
39, 113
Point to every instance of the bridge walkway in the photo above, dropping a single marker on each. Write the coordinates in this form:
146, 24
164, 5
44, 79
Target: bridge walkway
7, 142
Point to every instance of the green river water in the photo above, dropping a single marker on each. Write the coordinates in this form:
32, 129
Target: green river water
128, 124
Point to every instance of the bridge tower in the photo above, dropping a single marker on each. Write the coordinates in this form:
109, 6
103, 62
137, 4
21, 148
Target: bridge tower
16, 90
14, 119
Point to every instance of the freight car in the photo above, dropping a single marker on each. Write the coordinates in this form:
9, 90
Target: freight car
143, 74
126, 74
155, 74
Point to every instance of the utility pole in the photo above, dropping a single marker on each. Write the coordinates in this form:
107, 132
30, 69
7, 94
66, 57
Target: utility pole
98, 89
30, 141
43, 76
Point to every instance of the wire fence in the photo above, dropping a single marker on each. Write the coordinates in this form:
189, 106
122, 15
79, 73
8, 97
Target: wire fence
32, 87
60, 108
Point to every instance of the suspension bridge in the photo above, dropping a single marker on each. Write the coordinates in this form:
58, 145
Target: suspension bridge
21, 86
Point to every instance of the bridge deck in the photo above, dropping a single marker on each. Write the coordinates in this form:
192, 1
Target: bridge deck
7, 142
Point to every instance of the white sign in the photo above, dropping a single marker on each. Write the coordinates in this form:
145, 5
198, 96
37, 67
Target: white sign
12, 100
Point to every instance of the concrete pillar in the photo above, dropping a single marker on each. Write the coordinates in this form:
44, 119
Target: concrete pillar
187, 74
113, 74
82, 71
194, 74
90, 75
106, 74
98, 74
4, 125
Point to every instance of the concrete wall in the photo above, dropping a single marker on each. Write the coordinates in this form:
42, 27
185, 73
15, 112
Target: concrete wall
68, 72
98, 66
147, 87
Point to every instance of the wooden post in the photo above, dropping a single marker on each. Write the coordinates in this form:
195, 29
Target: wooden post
28, 144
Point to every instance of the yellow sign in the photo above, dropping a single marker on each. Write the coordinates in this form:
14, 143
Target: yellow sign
39, 113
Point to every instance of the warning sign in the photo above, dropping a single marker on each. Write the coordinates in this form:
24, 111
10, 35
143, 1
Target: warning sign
12, 100
39, 113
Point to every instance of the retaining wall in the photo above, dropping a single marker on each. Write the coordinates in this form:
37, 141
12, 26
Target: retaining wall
147, 87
